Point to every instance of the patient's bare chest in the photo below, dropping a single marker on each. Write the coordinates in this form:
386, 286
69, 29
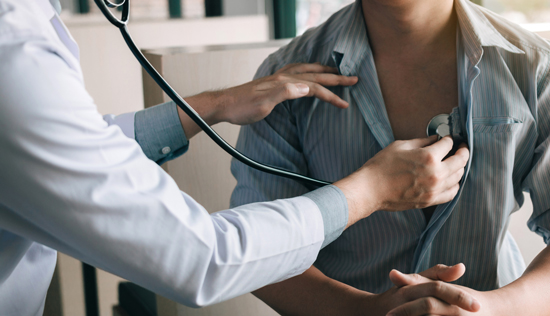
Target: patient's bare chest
414, 95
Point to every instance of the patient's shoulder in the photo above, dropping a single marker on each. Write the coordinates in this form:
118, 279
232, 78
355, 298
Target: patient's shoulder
315, 45
515, 34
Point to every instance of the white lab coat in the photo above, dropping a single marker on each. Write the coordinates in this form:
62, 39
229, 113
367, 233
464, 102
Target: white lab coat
69, 181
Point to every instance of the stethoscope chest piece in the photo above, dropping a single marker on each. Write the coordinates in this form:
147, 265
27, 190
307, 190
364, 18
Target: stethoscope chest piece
439, 125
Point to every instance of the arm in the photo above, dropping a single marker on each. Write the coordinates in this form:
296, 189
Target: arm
529, 294
82, 187
313, 293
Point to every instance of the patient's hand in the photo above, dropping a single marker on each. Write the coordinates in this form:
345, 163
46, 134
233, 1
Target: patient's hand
430, 305
417, 293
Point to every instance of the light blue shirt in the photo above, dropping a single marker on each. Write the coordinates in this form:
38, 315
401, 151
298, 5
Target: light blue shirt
89, 185
504, 110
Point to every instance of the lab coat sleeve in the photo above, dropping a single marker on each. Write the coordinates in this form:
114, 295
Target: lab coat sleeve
72, 182
537, 181
275, 141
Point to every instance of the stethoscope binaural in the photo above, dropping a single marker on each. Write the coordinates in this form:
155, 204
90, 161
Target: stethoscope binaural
439, 125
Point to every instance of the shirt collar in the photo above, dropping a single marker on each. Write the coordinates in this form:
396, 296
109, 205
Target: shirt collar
353, 43
479, 32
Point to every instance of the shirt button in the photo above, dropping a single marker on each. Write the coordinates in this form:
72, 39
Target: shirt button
166, 150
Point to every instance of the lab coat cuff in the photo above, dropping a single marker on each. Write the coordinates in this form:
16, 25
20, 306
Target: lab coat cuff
334, 209
159, 132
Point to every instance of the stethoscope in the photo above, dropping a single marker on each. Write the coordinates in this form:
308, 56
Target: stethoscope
121, 24
436, 126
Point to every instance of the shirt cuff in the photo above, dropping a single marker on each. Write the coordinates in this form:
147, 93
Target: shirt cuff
334, 209
159, 132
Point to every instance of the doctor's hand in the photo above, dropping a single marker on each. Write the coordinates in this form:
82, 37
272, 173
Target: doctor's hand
253, 101
405, 175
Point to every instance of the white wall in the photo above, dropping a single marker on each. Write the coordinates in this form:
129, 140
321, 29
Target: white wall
113, 76
114, 80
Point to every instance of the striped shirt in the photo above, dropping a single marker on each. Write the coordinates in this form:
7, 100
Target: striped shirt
504, 104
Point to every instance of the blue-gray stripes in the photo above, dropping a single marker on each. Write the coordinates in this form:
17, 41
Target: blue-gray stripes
504, 100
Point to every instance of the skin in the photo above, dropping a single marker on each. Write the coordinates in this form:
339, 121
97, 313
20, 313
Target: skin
405, 175
414, 48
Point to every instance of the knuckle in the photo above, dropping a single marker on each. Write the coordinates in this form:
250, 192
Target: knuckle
430, 160
288, 89
429, 197
434, 179
397, 143
279, 77
429, 304
461, 297
438, 287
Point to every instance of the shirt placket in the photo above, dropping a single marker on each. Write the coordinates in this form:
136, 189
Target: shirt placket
468, 71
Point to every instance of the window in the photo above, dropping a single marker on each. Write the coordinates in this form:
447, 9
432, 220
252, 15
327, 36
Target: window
310, 13
521, 11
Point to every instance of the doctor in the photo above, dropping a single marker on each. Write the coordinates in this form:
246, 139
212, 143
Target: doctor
91, 186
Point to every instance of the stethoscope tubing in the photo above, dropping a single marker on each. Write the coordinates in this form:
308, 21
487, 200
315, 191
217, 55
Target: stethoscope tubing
180, 102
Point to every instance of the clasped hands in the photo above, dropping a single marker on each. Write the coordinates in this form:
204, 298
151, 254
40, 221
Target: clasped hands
427, 293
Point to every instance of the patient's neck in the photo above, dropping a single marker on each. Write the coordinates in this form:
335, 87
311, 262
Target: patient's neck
410, 29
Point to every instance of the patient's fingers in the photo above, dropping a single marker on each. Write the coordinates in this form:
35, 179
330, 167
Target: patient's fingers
437, 272
425, 306
449, 293
444, 273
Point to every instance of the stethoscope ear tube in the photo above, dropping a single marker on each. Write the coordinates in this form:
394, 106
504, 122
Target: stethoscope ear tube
121, 24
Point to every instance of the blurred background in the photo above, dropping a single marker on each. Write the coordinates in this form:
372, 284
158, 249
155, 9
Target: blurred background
194, 26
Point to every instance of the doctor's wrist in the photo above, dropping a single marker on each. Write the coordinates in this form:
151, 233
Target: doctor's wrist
358, 189
208, 105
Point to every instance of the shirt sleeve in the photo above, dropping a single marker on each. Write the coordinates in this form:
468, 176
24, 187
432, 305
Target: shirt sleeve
275, 141
79, 185
537, 181
156, 129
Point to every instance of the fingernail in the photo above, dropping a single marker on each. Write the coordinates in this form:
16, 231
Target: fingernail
302, 88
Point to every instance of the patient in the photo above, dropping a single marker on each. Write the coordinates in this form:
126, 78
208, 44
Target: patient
415, 59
